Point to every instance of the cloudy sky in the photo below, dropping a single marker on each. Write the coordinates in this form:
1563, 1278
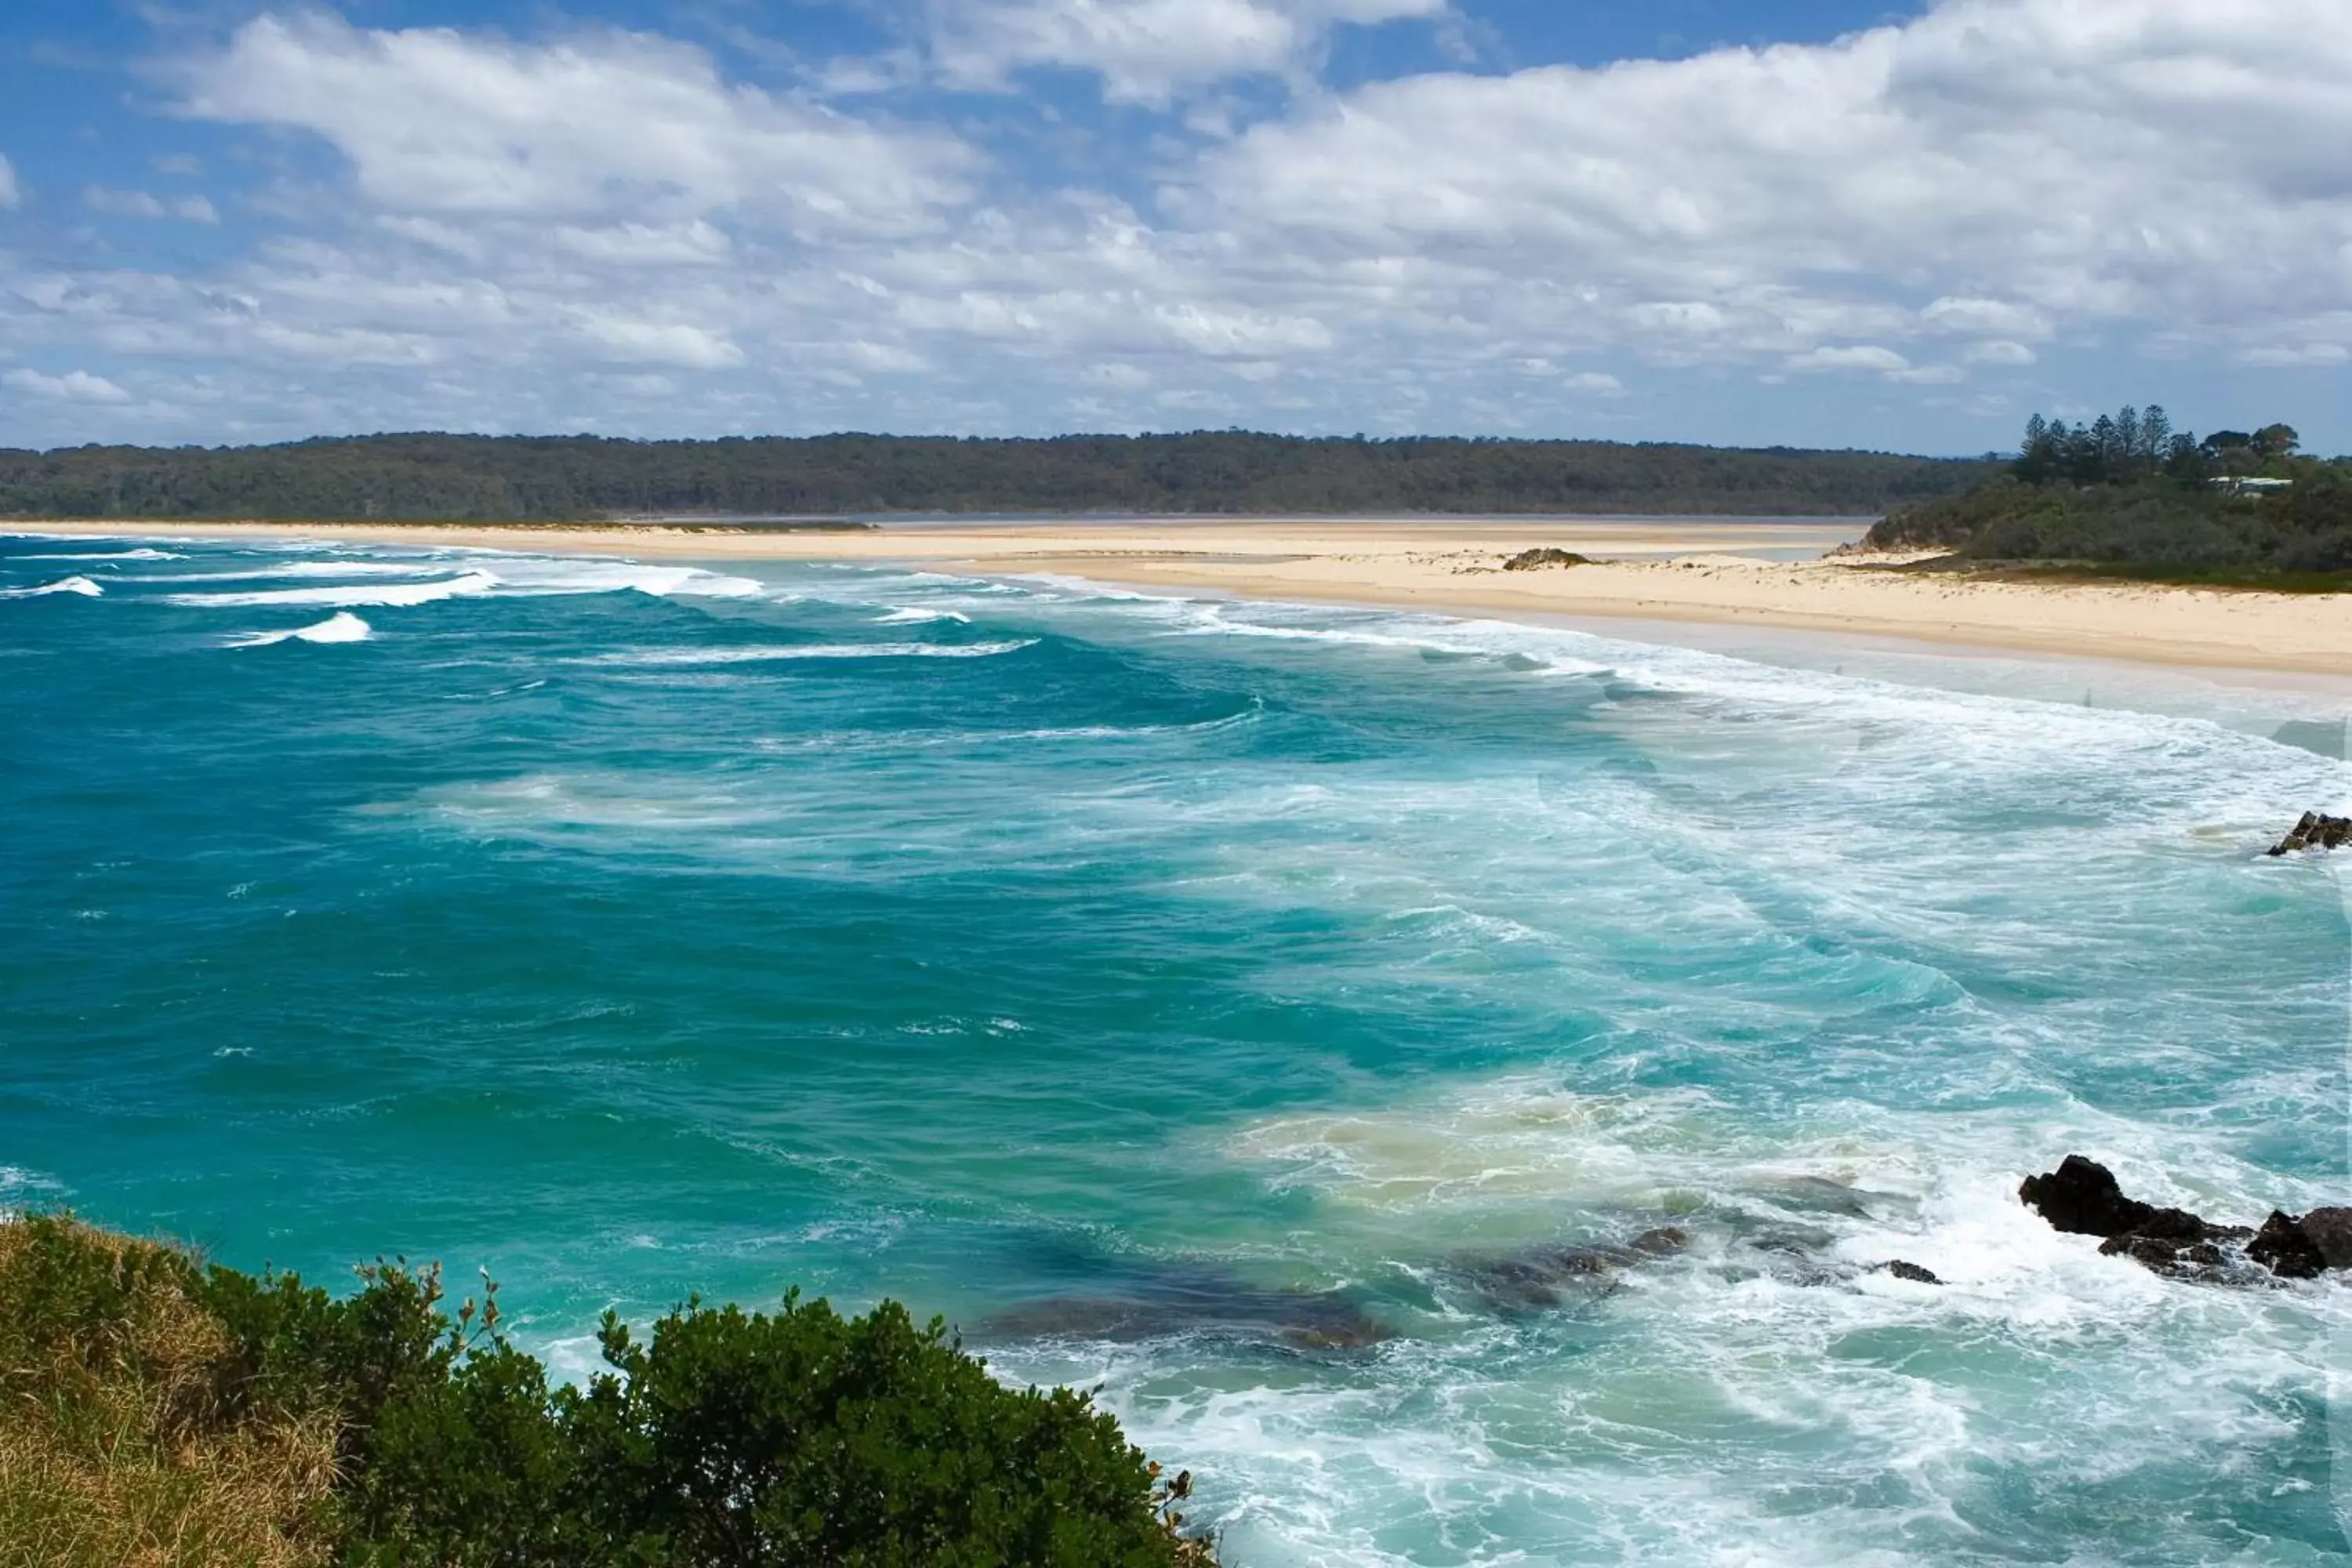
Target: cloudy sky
1816, 222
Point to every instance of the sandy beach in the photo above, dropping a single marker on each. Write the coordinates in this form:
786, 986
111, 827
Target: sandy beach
1750, 572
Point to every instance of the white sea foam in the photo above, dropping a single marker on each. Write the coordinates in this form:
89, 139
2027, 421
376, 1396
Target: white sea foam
661, 658
82, 585
548, 574
345, 595
349, 583
911, 615
1732, 1380
341, 626
312, 570
140, 554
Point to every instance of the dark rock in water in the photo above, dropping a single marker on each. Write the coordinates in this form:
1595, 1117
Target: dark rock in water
1911, 1271
1550, 1277
1326, 1319
1536, 1281
2283, 1248
2082, 1195
2201, 1261
1537, 559
2315, 831
2330, 1230
2305, 1247
2083, 1198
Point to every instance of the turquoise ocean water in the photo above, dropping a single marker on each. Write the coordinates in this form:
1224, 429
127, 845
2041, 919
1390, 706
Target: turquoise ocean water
1174, 993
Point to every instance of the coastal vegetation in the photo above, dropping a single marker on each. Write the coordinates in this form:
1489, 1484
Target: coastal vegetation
565, 479
156, 1410
2129, 493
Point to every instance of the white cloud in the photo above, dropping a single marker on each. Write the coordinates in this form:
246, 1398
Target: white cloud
1860, 357
609, 124
1145, 51
1998, 351
693, 244
530, 235
2000, 317
9, 196
123, 204
2305, 356
2008, 164
142, 204
74, 386
679, 343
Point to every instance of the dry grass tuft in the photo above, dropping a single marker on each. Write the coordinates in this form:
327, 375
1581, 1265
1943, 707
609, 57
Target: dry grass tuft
117, 1447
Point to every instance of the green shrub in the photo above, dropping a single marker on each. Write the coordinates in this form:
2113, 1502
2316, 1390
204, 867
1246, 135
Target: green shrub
377, 1431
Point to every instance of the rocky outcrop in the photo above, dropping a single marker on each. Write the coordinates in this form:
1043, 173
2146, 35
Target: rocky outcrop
1539, 560
2082, 1196
2302, 1247
1911, 1271
2315, 831
2283, 1248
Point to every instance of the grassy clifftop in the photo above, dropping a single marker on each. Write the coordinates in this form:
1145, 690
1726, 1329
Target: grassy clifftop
155, 1411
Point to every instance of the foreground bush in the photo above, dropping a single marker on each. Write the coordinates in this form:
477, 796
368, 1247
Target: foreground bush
152, 1411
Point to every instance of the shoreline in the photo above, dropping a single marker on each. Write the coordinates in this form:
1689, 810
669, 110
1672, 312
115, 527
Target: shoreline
1702, 572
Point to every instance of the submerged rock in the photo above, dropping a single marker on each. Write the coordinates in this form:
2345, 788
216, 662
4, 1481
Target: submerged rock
1820, 1194
2315, 831
1911, 1271
1548, 1277
1663, 1242
1323, 1320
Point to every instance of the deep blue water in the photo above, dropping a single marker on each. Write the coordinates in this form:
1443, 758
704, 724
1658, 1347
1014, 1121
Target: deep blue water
1171, 993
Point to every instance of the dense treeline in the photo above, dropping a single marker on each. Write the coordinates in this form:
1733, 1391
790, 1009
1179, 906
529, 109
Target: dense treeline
2128, 491
159, 1412
564, 478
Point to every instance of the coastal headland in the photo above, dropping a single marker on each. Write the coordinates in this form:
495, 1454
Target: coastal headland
1775, 572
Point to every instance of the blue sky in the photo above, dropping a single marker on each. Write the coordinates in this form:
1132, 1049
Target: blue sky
1811, 224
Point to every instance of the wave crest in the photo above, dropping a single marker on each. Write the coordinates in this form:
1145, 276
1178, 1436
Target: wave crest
341, 626
82, 585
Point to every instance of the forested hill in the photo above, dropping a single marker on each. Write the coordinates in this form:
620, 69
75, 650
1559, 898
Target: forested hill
556, 478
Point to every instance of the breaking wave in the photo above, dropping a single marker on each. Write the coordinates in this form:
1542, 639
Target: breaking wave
344, 594
341, 626
82, 586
